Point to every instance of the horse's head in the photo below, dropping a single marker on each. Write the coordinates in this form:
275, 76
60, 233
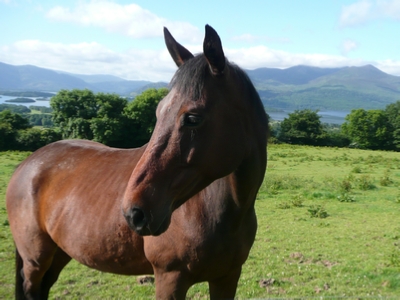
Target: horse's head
203, 132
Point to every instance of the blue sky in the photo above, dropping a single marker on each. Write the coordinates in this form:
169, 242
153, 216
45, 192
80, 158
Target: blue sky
124, 38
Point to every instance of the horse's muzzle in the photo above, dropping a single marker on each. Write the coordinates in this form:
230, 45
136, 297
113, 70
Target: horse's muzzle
137, 221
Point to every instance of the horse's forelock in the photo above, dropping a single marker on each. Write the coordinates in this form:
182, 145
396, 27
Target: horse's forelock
189, 79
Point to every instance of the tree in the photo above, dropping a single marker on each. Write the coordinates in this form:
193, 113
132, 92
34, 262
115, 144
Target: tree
369, 129
34, 138
393, 113
106, 118
85, 115
19, 109
17, 134
302, 127
10, 123
141, 114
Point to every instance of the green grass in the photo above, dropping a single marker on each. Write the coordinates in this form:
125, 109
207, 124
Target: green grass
328, 227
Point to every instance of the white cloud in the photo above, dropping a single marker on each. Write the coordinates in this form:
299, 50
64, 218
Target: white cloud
389, 66
249, 38
131, 20
348, 46
90, 58
157, 65
390, 8
261, 56
356, 13
366, 10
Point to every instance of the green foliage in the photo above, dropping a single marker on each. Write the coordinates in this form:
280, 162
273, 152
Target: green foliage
20, 109
345, 197
317, 211
395, 257
302, 127
356, 169
73, 112
21, 100
15, 120
385, 179
297, 201
44, 120
365, 183
10, 123
81, 114
393, 114
345, 185
42, 109
34, 138
106, 118
336, 137
141, 114
369, 129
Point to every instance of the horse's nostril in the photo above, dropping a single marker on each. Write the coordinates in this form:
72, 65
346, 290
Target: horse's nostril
138, 218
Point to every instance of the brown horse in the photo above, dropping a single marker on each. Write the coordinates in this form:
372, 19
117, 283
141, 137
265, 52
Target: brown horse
181, 207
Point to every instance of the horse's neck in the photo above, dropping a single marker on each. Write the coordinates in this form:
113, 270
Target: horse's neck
233, 196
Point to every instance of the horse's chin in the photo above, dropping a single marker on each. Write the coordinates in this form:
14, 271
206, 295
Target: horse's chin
153, 230
163, 227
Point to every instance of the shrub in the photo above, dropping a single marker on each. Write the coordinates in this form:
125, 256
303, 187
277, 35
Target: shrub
297, 201
317, 211
345, 197
365, 183
345, 186
385, 180
356, 169
284, 205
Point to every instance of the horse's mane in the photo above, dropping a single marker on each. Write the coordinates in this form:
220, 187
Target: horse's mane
190, 78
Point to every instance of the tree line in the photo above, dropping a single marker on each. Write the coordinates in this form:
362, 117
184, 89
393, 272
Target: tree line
113, 121
82, 114
365, 129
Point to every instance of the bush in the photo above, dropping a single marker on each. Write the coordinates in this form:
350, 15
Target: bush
365, 183
345, 197
317, 211
34, 138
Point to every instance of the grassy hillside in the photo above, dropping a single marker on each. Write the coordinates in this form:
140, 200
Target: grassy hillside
328, 227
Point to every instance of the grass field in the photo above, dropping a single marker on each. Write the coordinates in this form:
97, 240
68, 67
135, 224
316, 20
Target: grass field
329, 226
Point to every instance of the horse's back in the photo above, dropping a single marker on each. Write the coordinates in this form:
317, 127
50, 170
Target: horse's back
62, 163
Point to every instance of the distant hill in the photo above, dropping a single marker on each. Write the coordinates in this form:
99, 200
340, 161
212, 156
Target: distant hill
33, 78
297, 87
326, 88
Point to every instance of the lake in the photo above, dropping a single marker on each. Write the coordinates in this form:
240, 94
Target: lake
332, 117
36, 103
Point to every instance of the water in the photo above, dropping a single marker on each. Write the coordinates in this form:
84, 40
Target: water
330, 116
36, 103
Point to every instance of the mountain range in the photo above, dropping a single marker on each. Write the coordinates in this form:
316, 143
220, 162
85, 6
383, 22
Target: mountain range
297, 87
32, 78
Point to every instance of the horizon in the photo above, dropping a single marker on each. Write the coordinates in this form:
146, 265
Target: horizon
124, 38
79, 74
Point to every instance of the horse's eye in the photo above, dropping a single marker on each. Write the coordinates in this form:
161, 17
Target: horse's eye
192, 120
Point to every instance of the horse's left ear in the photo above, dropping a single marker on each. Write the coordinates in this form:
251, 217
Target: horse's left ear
179, 53
212, 48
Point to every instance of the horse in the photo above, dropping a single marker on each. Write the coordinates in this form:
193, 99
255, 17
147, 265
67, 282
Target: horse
180, 207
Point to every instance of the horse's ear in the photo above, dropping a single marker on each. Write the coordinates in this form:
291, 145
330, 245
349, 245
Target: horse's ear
178, 53
212, 48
